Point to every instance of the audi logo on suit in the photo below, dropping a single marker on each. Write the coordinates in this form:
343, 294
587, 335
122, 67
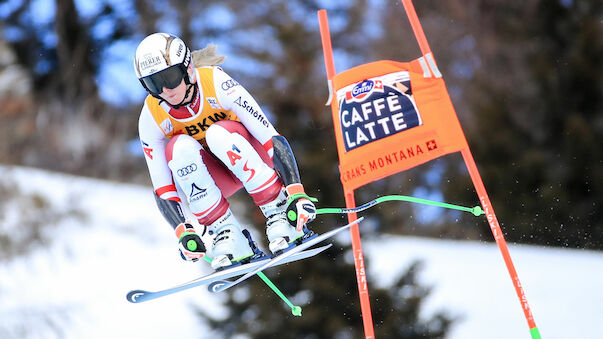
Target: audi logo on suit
228, 84
187, 170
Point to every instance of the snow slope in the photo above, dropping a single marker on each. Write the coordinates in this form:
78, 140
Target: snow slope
75, 287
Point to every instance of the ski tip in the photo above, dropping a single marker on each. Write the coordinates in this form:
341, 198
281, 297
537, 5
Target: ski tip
136, 296
218, 286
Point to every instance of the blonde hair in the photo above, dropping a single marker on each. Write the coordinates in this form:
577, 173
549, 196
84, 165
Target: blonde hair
207, 56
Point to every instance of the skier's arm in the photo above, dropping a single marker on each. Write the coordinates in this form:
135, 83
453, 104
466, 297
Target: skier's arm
284, 161
153, 143
171, 211
300, 209
189, 242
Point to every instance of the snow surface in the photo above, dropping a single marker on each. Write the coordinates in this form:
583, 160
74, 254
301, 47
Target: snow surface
76, 286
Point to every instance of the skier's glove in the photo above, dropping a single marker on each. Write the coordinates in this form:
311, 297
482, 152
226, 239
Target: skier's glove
300, 207
189, 242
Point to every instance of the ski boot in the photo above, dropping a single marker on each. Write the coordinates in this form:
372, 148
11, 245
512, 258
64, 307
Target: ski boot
232, 245
281, 235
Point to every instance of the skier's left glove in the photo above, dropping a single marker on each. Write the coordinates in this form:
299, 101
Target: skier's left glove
300, 207
190, 244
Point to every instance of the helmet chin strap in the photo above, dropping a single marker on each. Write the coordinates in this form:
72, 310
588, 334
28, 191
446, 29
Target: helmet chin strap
185, 102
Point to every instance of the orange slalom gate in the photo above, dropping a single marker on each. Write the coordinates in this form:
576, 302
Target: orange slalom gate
389, 117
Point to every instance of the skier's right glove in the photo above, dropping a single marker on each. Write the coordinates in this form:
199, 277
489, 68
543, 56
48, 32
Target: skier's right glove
300, 207
190, 244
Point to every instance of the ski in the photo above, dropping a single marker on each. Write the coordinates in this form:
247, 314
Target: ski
138, 296
221, 285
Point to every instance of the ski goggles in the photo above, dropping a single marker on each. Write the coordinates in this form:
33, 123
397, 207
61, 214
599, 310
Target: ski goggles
169, 78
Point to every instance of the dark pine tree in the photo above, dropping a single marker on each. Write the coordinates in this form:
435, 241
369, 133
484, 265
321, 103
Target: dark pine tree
328, 294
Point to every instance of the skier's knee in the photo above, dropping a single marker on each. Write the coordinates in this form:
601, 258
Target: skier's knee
215, 135
182, 146
222, 131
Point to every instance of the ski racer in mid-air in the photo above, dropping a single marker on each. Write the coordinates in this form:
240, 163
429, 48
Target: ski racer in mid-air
204, 138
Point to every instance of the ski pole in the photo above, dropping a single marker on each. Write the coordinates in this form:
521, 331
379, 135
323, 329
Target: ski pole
295, 310
477, 210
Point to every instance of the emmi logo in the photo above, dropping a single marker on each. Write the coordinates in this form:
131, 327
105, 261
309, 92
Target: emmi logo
203, 125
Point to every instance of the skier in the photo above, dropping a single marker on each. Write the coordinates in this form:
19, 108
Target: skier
205, 137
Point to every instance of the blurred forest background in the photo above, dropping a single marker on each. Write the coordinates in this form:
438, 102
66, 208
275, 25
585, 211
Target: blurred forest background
525, 78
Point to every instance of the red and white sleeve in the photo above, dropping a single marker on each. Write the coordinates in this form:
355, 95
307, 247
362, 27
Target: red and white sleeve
153, 142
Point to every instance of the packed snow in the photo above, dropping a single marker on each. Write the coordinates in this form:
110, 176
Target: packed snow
74, 286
